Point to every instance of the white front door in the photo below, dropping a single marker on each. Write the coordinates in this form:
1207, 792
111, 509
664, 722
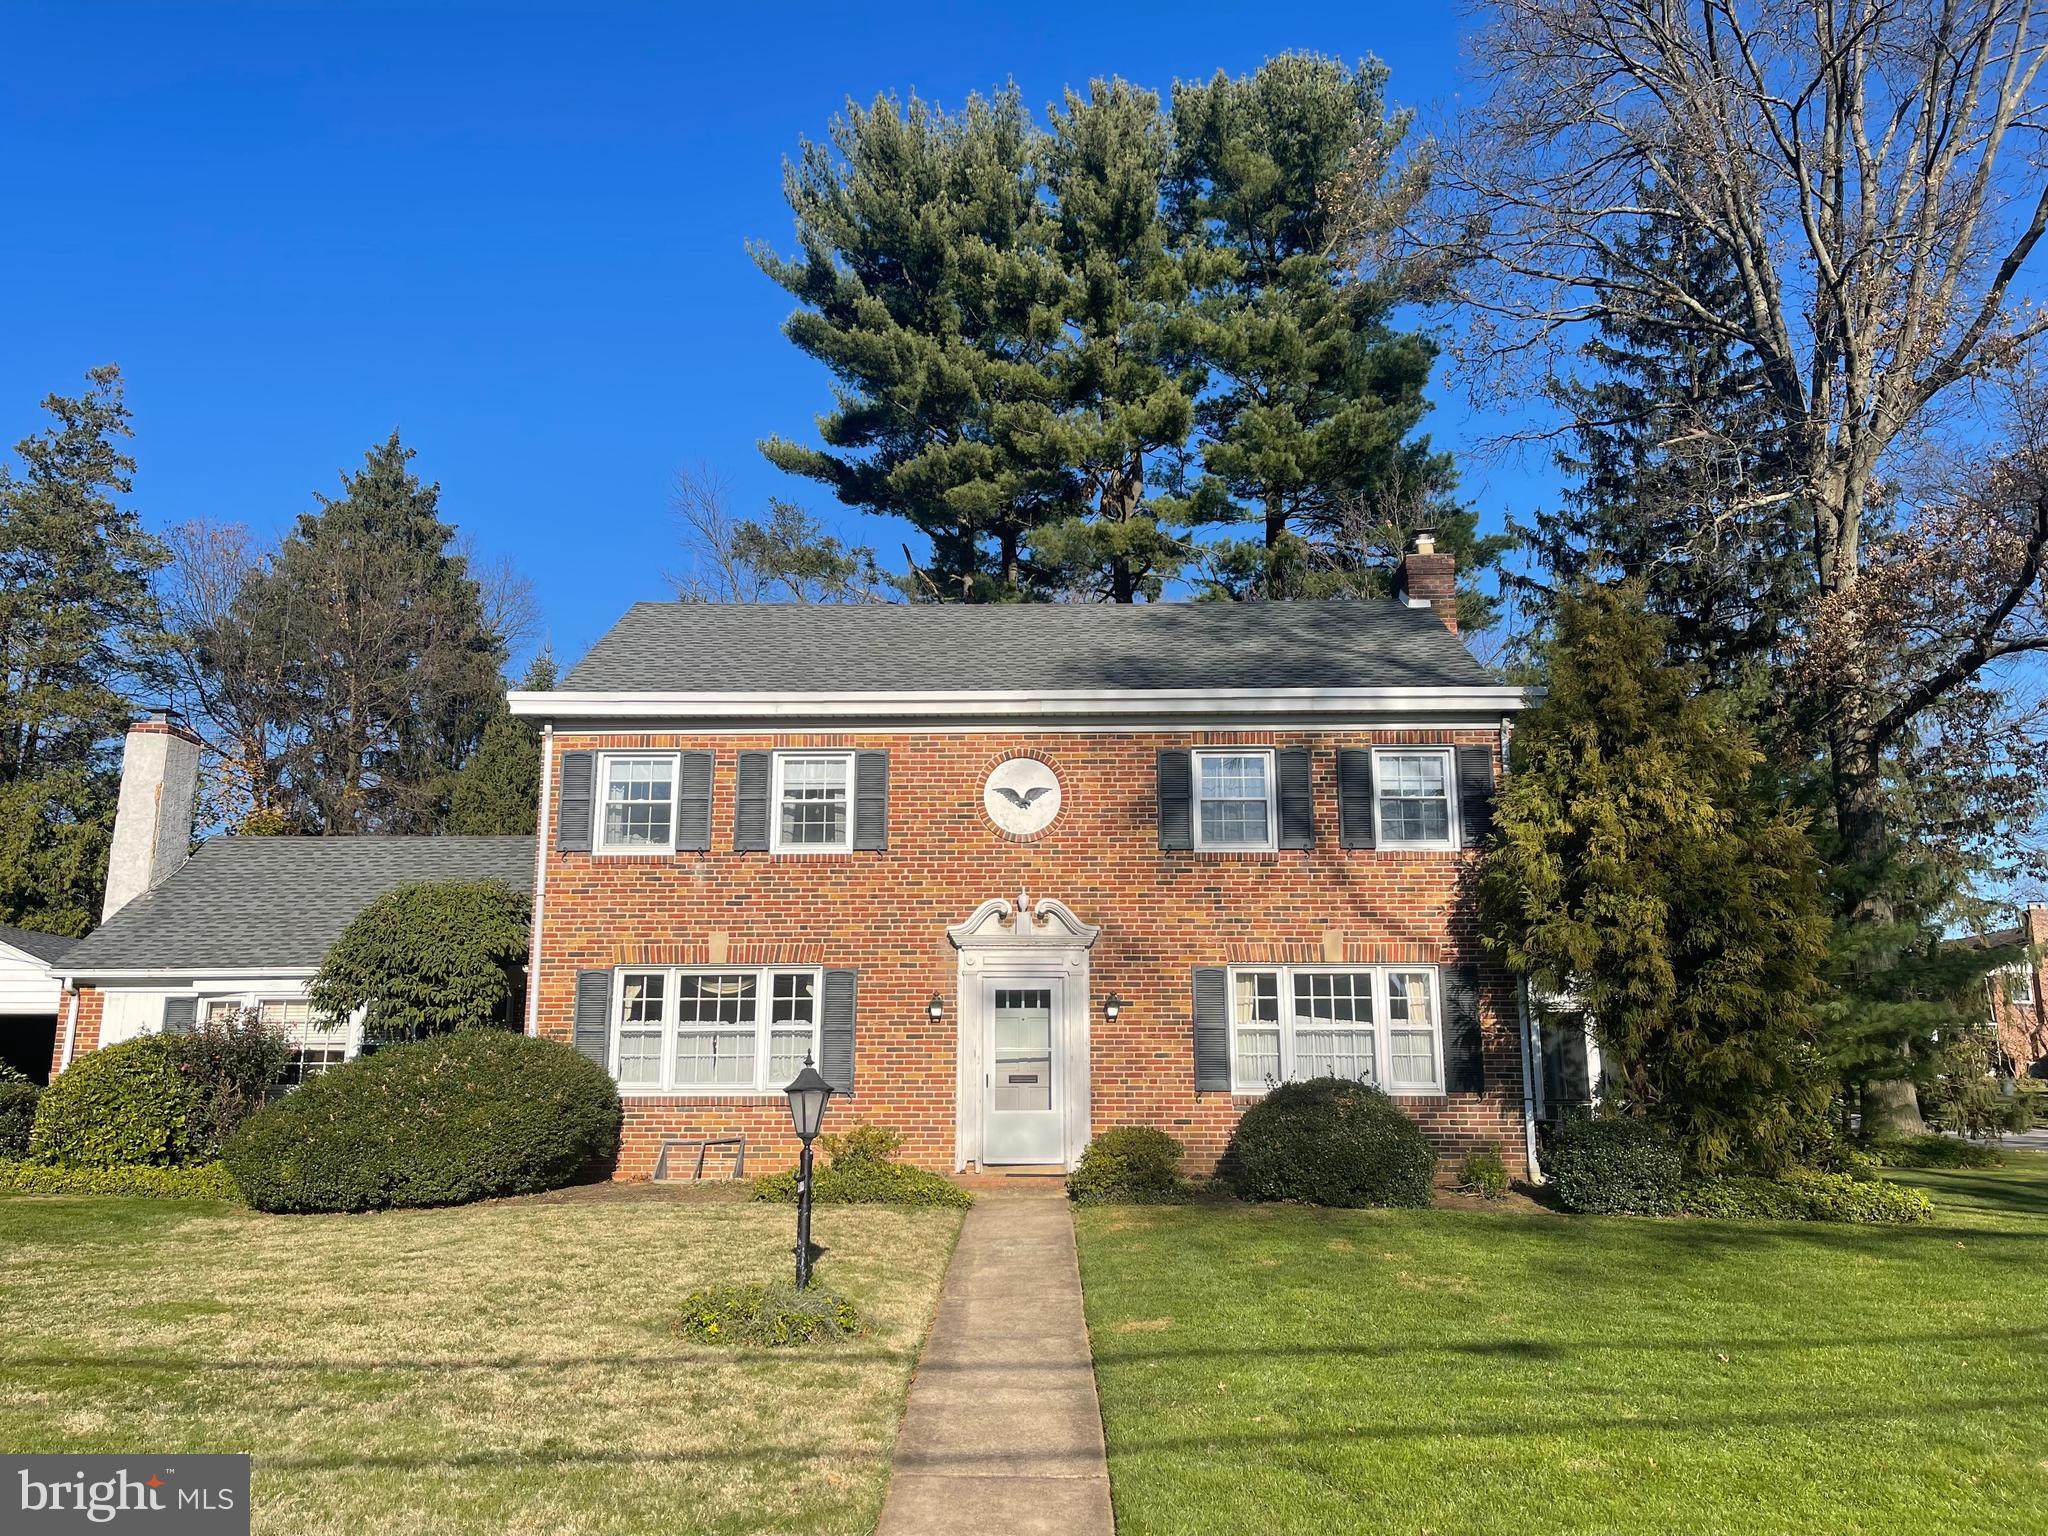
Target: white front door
1023, 1044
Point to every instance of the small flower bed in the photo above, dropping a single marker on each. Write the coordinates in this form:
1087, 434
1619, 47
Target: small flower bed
767, 1316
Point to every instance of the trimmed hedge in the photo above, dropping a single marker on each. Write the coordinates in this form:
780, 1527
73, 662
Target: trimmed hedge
1329, 1141
18, 1098
467, 1116
1933, 1151
1614, 1167
199, 1181
1129, 1165
1805, 1196
126, 1104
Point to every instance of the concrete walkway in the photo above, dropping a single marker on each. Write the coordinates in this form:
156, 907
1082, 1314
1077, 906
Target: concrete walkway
1003, 1432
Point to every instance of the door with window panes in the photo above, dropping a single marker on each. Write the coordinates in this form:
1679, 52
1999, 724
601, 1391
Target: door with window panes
1023, 1019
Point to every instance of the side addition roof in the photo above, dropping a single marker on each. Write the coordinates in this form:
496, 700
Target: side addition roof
46, 947
279, 903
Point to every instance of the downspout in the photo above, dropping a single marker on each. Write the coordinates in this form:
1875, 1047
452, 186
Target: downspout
1522, 1015
70, 1025
1528, 1080
540, 877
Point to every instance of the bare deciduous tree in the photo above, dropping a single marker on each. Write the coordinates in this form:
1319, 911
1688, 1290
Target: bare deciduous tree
1872, 166
788, 558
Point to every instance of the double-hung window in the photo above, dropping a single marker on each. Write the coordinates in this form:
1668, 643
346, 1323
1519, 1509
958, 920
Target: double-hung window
2019, 986
713, 1031
1415, 797
1234, 799
637, 803
813, 802
315, 1044
1374, 1024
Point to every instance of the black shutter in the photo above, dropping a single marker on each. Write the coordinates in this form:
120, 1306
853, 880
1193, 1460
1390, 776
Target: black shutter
593, 1032
1475, 794
1354, 797
1212, 1029
835, 1029
1464, 1051
870, 799
181, 1015
693, 804
1176, 800
572, 812
750, 803
1297, 798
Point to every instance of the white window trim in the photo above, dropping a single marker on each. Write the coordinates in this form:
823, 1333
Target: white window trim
601, 791
348, 1032
1449, 844
764, 998
798, 850
2019, 985
1202, 845
1381, 1027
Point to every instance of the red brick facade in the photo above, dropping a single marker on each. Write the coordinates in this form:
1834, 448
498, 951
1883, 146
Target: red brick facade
2019, 1006
886, 913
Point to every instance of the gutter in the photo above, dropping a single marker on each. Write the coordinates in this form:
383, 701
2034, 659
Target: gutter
1528, 1080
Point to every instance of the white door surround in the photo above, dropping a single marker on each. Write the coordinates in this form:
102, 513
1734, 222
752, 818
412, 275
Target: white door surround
1005, 948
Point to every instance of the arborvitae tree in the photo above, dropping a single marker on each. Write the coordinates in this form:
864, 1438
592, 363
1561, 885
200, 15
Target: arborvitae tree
1282, 180
1642, 864
497, 793
1683, 476
929, 293
391, 671
78, 631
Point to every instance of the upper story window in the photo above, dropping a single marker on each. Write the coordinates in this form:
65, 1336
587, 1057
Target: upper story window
1377, 1025
713, 1031
1415, 801
813, 802
638, 804
2019, 985
1234, 799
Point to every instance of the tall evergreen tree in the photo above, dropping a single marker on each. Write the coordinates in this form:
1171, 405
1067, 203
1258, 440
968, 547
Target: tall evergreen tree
78, 632
1683, 474
497, 793
1282, 180
928, 292
390, 671
1642, 864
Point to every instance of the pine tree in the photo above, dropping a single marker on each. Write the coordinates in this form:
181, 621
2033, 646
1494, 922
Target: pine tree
1643, 865
78, 633
497, 793
390, 672
928, 292
1282, 180
1682, 467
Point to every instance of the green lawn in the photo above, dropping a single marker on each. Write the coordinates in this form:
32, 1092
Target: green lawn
499, 1368
1281, 1369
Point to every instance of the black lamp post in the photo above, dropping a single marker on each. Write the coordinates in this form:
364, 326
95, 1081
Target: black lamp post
808, 1095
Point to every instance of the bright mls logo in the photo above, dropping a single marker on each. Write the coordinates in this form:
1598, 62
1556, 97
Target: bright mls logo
163, 1495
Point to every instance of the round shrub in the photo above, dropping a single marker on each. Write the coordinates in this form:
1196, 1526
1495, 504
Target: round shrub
1329, 1141
1614, 1167
467, 1116
128, 1103
1130, 1165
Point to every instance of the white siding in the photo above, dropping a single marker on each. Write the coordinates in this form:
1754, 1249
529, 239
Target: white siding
130, 1013
26, 986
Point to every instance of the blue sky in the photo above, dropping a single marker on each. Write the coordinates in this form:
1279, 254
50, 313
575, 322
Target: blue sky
515, 233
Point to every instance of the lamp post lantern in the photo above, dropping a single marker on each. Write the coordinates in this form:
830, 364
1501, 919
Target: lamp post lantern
808, 1095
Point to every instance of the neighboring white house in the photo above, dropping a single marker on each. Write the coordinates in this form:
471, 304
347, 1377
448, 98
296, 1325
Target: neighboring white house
29, 998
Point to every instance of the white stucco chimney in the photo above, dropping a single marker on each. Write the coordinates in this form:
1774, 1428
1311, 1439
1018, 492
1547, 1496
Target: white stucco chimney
153, 821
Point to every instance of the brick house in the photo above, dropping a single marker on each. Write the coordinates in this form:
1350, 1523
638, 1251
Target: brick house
2017, 994
1017, 874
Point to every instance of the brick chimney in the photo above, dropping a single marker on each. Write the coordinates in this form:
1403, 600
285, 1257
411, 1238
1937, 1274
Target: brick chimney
153, 819
1426, 579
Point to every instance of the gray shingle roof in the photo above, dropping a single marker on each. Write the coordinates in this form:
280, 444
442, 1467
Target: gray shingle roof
241, 903
907, 648
44, 946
